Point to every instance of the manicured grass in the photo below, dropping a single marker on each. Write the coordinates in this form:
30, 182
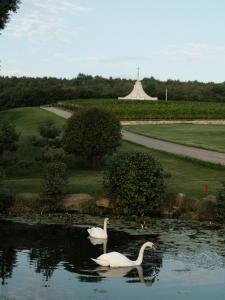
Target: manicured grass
131, 110
187, 176
27, 119
203, 136
79, 182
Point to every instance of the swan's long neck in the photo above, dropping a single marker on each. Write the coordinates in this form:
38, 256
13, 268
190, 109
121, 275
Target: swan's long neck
140, 256
105, 225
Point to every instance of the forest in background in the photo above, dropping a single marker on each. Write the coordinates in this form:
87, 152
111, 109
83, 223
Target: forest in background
27, 91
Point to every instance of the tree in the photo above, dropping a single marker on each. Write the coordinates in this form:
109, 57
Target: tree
92, 133
8, 138
49, 142
6, 7
136, 181
51, 157
55, 179
49, 130
8, 143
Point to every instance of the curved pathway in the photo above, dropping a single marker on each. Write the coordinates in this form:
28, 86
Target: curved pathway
57, 111
201, 154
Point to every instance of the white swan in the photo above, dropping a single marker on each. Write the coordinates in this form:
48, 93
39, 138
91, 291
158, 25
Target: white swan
99, 233
116, 259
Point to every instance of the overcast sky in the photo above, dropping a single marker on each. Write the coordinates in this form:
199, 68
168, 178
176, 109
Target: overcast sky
174, 39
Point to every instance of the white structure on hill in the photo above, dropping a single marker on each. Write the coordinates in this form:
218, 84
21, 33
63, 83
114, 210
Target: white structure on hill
138, 92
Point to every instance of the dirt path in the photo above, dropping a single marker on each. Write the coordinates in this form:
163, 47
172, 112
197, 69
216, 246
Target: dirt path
205, 155
59, 112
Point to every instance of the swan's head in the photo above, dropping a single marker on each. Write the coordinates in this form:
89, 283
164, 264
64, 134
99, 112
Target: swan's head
107, 220
150, 245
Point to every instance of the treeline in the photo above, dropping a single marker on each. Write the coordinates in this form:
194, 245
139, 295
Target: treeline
26, 91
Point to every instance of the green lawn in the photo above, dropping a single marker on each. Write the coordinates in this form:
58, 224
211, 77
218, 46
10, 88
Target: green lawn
27, 119
80, 181
203, 136
186, 176
142, 110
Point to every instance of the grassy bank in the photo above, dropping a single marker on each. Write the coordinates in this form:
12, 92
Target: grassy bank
27, 119
141, 110
187, 176
210, 137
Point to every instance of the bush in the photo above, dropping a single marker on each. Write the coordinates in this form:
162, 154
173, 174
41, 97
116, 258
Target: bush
92, 133
7, 199
55, 179
220, 207
136, 181
49, 129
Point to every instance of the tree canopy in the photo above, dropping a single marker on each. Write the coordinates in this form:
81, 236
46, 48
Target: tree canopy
91, 134
27, 91
6, 7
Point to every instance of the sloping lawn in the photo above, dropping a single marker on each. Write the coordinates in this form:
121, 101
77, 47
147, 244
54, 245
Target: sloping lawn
28, 119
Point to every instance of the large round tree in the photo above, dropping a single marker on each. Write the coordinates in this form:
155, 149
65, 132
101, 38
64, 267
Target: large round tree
137, 181
92, 133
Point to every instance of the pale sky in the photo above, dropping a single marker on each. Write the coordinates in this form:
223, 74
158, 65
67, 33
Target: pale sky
176, 39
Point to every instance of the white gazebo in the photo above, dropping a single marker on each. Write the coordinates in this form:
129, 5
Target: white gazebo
138, 93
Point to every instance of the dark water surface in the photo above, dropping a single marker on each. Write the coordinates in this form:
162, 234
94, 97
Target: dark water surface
53, 262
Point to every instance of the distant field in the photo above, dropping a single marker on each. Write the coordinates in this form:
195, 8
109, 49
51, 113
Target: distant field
203, 136
142, 110
27, 119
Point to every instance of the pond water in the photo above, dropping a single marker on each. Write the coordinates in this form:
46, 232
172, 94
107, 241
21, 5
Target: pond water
53, 262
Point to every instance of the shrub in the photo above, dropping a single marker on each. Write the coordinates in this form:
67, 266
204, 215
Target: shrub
136, 181
206, 208
55, 179
6, 199
220, 207
92, 133
49, 129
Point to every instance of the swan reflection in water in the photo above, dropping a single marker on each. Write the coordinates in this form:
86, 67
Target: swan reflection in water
95, 242
124, 271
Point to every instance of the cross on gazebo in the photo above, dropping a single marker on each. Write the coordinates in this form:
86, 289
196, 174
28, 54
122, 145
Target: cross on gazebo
138, 72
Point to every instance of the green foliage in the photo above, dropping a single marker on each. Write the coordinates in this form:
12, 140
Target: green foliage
49, 143
7, 6
92, 134
49, 154
8, 138
7, 199
137, 181
55, 180
220, 207
27, 91
49, 129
